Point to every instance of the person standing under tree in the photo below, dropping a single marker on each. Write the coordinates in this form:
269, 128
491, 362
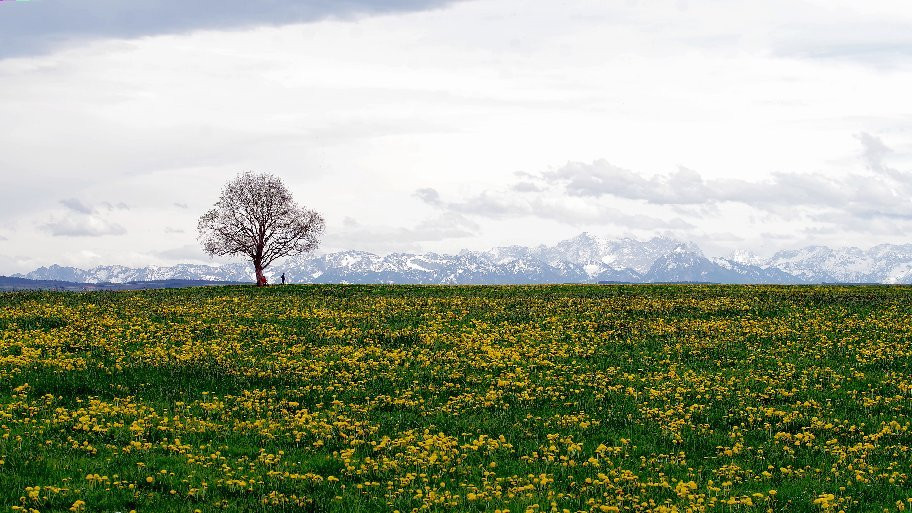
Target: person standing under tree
283, 278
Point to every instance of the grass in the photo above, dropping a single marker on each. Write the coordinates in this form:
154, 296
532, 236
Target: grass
412, 398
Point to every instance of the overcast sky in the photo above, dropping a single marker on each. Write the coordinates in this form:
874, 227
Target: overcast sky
429, 125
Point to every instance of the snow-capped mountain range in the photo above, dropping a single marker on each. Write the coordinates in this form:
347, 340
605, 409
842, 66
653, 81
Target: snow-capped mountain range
582, 259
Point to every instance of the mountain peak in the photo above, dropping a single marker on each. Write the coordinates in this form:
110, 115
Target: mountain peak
586, 237
681, 248
583, 258
744, 256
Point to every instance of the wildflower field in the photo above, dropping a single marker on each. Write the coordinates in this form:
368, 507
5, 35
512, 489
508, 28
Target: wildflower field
521, 399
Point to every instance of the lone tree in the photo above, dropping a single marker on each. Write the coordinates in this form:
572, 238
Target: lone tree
257, 217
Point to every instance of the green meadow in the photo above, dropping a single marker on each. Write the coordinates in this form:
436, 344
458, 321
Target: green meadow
579, 398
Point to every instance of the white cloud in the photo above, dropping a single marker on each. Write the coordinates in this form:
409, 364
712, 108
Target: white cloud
83, 226
386, 239
861, 194
563, 209
872, 199
187, 253
716, 118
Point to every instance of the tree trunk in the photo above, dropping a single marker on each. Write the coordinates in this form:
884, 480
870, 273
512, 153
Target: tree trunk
260, 277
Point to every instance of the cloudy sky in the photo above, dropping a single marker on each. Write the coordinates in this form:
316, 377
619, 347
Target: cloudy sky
434, 125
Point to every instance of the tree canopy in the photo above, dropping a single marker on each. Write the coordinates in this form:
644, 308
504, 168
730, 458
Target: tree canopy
257, 217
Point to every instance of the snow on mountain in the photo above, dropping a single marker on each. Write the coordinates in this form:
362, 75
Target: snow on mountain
740, 272
603, 255
682, 265
745, 257
886, 263
585, 258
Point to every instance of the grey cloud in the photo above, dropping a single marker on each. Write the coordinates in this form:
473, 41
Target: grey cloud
187, 252
446, 226
777, 236
577, 192
526, 187
80, 207
558, 210
885, 194
181, 205
85, 220
34, 27
718, 237
83, 226
600, 178
107, 205
10, 264
76, 205
687, 187
3, 238
874, 153
115, 206
428, 195
828, 229
170, 229
845, 221
874, 150
490, 205
381, 239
